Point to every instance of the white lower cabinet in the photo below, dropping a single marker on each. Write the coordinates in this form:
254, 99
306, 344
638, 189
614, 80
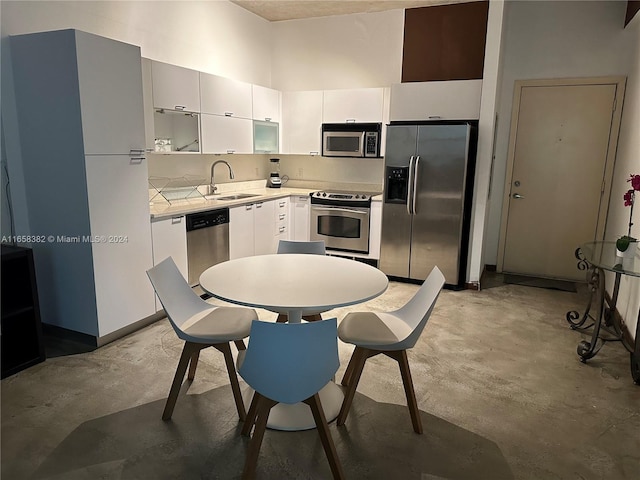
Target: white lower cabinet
169, 239
241, 231
300, 217
282, 220
256, 228
375, 229
264, 228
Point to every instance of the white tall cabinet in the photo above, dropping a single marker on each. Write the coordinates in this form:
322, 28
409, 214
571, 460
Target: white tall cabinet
80, 116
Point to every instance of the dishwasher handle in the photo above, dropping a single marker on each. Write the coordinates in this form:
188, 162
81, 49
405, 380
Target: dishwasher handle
210, 218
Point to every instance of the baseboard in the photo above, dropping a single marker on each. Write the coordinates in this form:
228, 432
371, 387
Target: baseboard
92, 341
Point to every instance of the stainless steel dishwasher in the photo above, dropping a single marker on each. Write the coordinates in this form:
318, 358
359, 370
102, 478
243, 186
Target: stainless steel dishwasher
207, 241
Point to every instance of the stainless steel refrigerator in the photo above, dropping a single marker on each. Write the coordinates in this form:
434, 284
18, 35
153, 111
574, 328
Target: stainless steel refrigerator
427, 200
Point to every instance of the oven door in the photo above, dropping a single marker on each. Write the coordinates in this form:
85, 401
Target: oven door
341, 228
343, 144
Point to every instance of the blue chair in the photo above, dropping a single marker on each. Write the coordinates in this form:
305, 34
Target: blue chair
392, 334
200, 325
292, 246
289, 363
311, 248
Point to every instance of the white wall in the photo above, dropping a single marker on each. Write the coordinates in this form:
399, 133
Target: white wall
627, 162
552, 39
347, 51
211, 36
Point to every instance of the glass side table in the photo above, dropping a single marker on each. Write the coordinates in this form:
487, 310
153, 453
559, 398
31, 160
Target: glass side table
598, 257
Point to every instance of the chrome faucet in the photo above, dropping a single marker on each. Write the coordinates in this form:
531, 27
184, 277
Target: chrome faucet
212, 186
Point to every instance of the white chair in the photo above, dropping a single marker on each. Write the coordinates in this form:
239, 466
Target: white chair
392, 334
312, 248
200, 325
289, 363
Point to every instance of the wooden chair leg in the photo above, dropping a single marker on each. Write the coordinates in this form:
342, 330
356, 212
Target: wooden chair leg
410, 393
325, 436
193, 364
362, 355
225, 348
240, 345
316, 317
251, 415
282, 318
263, 409
346, 379
187, 352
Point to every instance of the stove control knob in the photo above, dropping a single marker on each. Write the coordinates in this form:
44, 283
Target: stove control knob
364, 197
357, 196
324, 194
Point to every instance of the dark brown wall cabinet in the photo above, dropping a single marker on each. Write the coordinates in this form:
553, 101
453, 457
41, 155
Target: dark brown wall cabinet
22, 344
444, 42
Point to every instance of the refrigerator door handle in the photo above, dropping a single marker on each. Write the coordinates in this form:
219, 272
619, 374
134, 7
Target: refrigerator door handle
415, 184
409, 183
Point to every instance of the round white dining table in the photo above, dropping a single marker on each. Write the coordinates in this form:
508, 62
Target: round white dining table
296, 285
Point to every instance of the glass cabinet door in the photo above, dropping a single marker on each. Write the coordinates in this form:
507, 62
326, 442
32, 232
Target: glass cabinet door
265, 137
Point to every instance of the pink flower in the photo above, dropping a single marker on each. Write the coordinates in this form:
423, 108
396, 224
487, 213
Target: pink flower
635, 181
628, 198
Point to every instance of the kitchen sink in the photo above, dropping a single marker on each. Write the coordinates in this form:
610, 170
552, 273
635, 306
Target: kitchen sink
239, 196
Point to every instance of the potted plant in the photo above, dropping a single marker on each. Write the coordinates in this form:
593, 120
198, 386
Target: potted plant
625, 244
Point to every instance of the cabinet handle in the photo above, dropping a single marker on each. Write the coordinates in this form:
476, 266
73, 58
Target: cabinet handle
351, 120
314, 153
259, 205
267, 119
136, 152
282, 216
136, 160
434, 117
248, 207
228, 114
231, 151
180, 107
282, 204
176, 220
281, 229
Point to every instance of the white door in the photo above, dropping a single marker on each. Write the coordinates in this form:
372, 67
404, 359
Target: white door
561, 157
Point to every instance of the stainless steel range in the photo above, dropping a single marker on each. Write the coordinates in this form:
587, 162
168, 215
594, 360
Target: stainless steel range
341, 219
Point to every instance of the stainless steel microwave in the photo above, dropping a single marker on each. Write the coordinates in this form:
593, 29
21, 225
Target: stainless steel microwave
351, 139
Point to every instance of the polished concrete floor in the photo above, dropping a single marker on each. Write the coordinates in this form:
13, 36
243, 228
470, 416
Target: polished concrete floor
501, 391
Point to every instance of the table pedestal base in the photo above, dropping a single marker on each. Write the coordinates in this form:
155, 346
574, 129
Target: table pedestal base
298, 416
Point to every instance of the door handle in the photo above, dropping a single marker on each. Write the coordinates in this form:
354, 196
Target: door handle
517, 195
415, 184
409, 185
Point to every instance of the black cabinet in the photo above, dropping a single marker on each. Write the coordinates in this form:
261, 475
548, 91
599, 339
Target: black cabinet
22, 343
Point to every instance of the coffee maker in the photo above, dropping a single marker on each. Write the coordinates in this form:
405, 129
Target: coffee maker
274, 180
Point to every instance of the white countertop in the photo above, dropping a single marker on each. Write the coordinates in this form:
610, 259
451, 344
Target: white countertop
194, 205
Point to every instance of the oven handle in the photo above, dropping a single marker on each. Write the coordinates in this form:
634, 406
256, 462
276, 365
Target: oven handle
339, 209
409, 185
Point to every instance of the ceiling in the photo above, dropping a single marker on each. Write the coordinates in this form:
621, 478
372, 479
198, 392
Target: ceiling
277, 10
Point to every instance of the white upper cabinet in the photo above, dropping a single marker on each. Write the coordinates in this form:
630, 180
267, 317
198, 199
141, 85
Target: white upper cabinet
266, 104
302, 122
222, 134
175, 88
448, 100
223, 96
353, 105
110, 84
